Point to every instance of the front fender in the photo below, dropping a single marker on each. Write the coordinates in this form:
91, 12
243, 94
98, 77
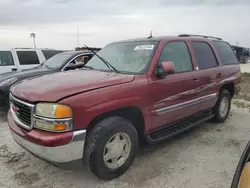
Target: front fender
83, 117
109, 106
86, 106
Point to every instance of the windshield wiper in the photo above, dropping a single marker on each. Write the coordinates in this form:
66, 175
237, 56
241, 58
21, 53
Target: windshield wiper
103, 60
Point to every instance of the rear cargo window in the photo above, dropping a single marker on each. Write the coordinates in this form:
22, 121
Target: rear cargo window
6, 58
27, 57
178, 54
50, 53
204, 55
225, 52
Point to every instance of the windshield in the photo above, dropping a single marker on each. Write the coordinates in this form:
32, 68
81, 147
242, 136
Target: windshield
57, 61
127, 57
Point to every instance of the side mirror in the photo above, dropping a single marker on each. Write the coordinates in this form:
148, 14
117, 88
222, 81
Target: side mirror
241, 176
164, 69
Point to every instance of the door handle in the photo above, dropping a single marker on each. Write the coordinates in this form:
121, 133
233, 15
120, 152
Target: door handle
219, 75
14, 69
195, 79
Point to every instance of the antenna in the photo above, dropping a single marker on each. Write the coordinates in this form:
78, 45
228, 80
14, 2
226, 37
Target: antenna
151, 35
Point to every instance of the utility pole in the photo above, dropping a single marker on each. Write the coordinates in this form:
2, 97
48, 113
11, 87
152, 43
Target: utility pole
151, 35
33, 36
78, 45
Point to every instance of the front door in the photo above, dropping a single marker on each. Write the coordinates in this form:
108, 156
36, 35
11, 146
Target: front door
175, 96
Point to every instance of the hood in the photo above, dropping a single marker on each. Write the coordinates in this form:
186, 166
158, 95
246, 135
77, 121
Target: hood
23, 74
55, 86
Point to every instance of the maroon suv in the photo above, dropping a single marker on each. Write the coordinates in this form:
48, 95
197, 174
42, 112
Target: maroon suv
144, 89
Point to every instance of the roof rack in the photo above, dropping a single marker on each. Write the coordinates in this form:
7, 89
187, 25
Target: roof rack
188, 35
35, 48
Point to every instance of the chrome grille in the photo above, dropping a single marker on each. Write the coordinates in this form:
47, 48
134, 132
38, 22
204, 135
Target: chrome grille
22, 112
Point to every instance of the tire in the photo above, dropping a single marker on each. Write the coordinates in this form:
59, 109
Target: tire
219, 116
97, 142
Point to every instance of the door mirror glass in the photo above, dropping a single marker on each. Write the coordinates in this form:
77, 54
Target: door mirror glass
165, 68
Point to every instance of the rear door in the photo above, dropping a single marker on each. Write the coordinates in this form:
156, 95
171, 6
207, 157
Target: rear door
27, 59
6, 62
209, 72
175, 96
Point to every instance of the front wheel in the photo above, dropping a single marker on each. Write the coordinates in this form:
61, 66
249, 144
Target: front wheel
222, 108
110, 147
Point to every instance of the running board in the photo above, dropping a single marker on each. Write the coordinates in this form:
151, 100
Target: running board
178, 127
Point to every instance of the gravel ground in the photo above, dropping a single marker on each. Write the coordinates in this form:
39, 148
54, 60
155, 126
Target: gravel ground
204, 157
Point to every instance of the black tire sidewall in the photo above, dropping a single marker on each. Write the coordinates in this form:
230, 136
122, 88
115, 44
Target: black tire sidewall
97, 164
218, 117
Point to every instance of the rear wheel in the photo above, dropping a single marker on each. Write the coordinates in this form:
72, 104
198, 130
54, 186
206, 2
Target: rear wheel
222, 108
110, 147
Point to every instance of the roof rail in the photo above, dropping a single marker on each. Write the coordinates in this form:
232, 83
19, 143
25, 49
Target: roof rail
188, 35
36, 48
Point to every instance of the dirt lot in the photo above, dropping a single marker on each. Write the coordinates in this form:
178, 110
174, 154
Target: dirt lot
204, 157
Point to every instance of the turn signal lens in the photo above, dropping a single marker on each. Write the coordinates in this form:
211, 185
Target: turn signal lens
63, 111
59, 127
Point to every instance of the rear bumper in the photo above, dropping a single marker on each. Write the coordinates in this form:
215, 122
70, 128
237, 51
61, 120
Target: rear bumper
50, 147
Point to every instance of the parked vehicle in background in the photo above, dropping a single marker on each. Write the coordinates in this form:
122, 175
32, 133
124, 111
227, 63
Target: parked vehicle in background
242, 54
143, 89
24, 58
60, 62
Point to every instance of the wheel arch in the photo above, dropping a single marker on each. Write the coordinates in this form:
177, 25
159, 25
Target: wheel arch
131, 113
229, 87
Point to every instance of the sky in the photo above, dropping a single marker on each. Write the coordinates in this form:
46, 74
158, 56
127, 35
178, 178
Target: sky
100, 22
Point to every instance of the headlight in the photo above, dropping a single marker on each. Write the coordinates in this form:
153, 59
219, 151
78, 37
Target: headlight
53, 117
9, 82
51, 110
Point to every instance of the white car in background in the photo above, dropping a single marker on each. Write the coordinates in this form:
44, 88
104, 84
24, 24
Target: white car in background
23, 58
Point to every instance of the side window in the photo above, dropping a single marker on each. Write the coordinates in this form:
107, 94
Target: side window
204, 55
50, 53
178, 54
82, 59
27, 57
225, 52
6, 58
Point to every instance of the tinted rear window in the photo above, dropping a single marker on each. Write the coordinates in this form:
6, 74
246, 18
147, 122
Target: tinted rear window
50, 53
204, 55
27, 57
6, 58
225, 52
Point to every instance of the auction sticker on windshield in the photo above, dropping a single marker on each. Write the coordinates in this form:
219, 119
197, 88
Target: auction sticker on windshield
144, 47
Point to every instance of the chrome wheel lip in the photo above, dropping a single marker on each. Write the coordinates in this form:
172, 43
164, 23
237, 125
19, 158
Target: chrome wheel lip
224, 106
117, 150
